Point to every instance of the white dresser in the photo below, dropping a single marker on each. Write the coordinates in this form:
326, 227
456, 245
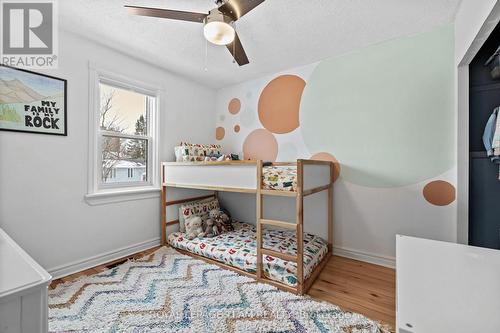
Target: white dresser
446, 287
23, 290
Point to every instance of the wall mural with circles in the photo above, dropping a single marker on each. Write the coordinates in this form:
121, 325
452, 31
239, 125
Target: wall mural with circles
383, 114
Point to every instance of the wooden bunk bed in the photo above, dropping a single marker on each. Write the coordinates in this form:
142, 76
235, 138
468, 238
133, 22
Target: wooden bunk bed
246, 177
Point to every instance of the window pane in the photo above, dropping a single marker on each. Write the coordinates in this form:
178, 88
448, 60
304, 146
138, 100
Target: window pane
124, 160
122, 110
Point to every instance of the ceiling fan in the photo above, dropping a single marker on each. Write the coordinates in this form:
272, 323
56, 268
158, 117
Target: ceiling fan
218, 23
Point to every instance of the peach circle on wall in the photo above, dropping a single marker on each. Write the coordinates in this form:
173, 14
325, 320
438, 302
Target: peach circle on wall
220, 132
279, 104
236, 128
329, 157
260, 144
439, 193
234, 106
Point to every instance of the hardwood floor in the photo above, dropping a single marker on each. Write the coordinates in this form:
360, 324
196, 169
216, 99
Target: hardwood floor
353, 285
359, 287
101, 268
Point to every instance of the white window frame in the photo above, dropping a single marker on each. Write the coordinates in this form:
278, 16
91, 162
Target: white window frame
102, 193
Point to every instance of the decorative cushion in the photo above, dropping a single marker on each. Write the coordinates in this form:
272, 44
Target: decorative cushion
200, 208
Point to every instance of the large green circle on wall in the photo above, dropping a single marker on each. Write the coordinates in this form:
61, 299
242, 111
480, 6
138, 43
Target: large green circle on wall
385, 112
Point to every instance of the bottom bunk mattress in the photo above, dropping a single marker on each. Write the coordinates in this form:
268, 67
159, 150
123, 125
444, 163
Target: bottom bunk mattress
238, 248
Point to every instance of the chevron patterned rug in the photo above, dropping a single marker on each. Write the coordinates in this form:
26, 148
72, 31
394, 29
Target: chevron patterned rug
170, 292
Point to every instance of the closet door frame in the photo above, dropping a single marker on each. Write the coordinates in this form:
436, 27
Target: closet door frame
462, 98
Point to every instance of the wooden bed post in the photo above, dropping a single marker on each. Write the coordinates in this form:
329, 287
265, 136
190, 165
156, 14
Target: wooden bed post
163, 206
258, 219
330, 209
300, 227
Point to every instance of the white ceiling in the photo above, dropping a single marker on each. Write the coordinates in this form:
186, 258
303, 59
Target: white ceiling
277, 35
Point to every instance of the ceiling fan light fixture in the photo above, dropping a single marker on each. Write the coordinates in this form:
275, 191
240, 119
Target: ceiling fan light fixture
218, 30
219, 33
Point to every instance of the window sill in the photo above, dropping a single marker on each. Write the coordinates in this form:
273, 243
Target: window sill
120, 195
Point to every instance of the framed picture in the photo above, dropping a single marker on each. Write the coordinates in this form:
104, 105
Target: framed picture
32, 102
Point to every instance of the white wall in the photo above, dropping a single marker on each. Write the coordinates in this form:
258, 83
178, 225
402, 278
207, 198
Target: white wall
366, 217
43, 178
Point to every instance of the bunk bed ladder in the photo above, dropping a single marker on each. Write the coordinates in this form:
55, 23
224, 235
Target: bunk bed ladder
259, 219
299, 206
297, 226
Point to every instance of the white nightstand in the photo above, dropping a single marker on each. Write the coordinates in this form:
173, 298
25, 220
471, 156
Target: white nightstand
446, 287
23, 290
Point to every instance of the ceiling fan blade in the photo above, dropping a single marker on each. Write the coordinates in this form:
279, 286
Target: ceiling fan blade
167, 13
237, 8
237, 51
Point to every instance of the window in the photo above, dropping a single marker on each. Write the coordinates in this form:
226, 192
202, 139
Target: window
124, 122
124, 136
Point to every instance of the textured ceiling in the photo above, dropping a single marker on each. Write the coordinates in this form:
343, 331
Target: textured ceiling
277, 35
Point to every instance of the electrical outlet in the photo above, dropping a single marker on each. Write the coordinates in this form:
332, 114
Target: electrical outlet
405, 330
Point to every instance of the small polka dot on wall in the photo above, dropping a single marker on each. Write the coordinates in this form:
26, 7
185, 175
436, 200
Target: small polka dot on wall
236, 129
234, 106
439, 193
260, 145
279, 104
220, 132
329, 157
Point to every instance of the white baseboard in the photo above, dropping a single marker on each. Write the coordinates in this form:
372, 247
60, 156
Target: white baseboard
366, 257
81, 265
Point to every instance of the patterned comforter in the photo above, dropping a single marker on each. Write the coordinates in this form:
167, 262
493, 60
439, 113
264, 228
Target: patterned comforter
282, 178
238, 248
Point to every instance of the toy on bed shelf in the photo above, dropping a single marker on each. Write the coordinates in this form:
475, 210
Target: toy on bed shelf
194, 227
193, 152
217, 158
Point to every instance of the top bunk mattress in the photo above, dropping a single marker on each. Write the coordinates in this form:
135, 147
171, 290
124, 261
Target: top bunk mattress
238, 248
281, 178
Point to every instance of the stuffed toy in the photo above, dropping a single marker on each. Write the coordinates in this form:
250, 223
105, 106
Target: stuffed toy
194, 227
211, 229
221, 220
226, 220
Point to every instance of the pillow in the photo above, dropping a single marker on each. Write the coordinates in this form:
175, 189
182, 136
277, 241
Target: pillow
200, 208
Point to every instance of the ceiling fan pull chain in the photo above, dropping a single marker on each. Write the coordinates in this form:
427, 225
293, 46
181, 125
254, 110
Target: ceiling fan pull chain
234, 45
206, 55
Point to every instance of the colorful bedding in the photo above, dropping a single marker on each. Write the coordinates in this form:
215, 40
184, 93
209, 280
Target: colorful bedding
282, 178
238, 248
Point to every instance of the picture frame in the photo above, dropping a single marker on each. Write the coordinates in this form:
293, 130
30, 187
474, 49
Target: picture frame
31, 102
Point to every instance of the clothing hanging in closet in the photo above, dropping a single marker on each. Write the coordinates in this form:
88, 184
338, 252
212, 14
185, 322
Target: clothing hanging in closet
491, 138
